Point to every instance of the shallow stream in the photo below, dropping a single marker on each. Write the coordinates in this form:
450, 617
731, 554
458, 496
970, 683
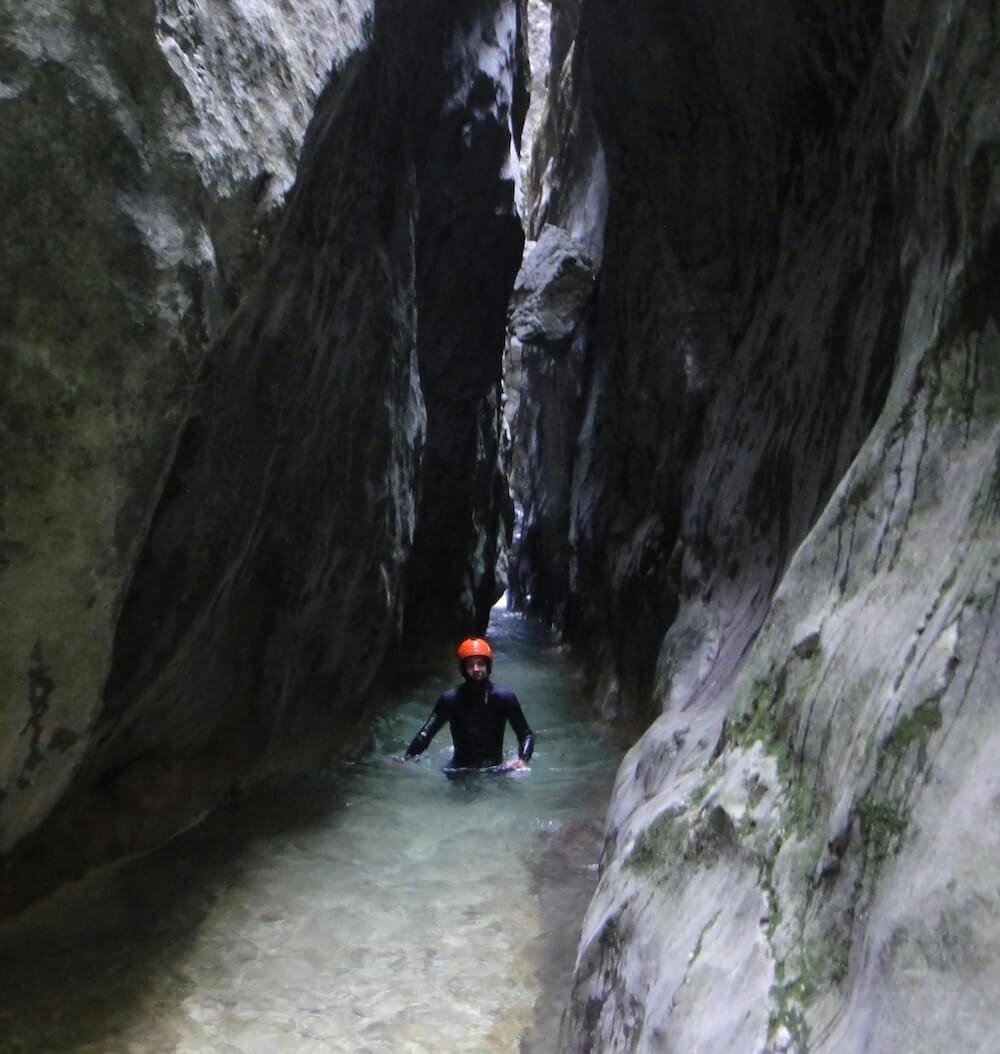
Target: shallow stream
373, 908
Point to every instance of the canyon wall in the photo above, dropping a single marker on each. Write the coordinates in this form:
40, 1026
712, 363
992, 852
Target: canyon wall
225, 367
469, 244
146, 157
761, 480
256, 264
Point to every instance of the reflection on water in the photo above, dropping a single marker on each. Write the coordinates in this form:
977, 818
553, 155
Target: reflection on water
376, 907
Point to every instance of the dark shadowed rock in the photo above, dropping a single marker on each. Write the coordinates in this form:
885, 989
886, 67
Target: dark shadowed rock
147, 155
244, 599
469, 243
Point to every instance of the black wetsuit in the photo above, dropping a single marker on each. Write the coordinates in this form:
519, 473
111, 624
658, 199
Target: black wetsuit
477, 713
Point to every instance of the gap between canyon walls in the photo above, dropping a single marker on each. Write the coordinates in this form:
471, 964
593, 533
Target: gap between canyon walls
468, 250
354, 393
742, 332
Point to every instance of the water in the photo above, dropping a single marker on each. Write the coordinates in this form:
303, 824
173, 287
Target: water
375, 908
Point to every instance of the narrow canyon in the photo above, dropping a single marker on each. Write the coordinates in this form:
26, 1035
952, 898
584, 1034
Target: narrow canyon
326, 323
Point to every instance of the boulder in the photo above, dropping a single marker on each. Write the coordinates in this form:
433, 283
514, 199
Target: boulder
552, 288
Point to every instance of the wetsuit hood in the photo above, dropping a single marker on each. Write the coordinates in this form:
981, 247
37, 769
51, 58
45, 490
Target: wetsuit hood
466, 679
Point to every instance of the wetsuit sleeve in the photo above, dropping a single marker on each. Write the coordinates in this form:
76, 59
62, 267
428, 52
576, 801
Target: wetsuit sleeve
421, 741
525, 737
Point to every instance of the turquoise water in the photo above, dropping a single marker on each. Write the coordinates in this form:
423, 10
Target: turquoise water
373, 908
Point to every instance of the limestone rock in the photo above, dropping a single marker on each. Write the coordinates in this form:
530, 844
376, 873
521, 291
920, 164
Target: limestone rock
551, 290
469, 243
762, 503
567, 179
538, 24
210, 514
145, 157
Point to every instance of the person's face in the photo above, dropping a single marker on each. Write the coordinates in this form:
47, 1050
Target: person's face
477, 668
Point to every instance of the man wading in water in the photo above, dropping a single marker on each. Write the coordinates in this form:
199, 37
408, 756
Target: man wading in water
477, 711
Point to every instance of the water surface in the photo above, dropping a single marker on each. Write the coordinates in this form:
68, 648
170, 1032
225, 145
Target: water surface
374, 908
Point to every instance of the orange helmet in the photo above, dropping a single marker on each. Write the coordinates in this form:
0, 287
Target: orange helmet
472, 647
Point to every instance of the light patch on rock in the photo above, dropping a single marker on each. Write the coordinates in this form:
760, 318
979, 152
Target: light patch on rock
551, 290
251, 70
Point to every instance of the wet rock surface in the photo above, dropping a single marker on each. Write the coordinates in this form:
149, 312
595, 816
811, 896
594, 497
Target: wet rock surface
468, 245
776, 531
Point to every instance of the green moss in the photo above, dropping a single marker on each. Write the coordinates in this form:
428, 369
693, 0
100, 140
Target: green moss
700, 793
808, 972
839, 958
915, 728
657, 844
774, 915
791, 1015
809, 861
756, 724
881, 826
801, 803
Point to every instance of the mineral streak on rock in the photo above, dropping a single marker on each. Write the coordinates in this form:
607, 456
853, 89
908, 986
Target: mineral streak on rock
776, 533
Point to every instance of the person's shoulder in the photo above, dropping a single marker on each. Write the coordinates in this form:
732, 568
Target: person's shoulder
504, 695
449, 697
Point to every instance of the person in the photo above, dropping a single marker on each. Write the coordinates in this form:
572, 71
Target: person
478, 712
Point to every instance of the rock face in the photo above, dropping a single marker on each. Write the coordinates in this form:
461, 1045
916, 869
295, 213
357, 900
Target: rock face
469, 243
762, 502
206, 549
145, 159
552, 289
